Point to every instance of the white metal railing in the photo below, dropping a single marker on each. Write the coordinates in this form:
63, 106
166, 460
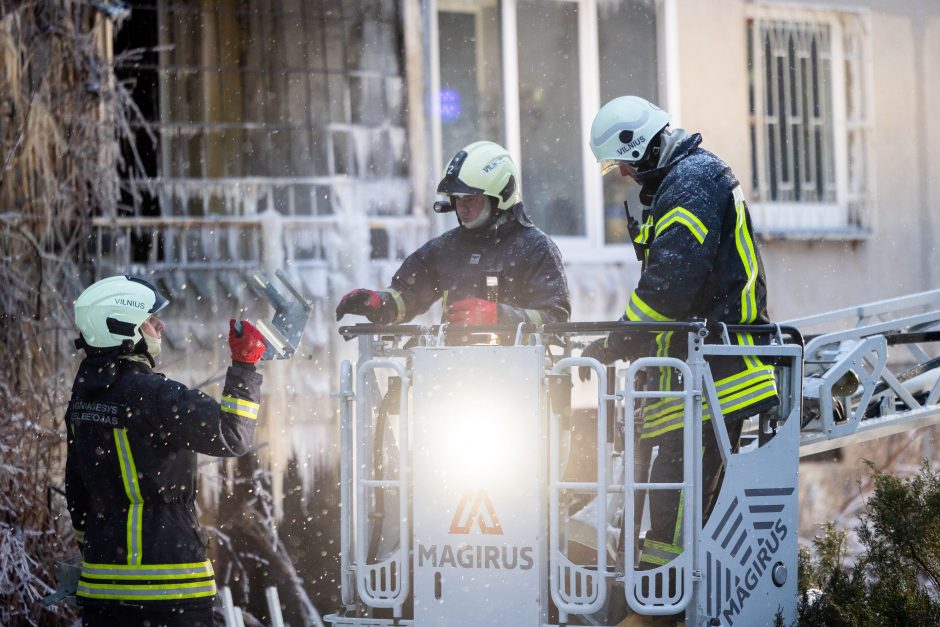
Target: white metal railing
347, 511
855, 369
576, 588
582, 589
384, 584
648, 591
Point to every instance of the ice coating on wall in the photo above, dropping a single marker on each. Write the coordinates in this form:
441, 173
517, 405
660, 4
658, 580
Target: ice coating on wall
286, 148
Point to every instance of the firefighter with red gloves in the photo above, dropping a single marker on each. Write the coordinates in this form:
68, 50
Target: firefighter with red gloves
133, 436
496, 267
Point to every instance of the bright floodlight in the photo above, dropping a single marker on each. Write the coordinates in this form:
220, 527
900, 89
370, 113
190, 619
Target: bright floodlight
479, 438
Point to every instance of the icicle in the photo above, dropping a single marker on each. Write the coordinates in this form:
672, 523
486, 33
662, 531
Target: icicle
272, 235
362, 147
399, 143
352, 244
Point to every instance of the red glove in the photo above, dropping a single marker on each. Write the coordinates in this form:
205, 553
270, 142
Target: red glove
247, 343
472, 311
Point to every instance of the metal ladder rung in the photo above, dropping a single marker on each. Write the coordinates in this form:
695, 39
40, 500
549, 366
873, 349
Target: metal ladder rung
380, 483
661, 394
662, 486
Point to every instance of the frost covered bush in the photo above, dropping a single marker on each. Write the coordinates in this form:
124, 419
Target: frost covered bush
63, 117
896, 580
16, 574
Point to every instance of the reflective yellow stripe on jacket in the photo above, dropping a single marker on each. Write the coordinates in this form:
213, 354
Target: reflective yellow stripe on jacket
240, 407
147, 582
534, 316
644, 238
745, 245
638, 311
682, 216
399, 305
135, 510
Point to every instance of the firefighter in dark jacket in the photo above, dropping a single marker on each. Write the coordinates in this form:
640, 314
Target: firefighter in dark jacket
699, 260
133, 436
495, 242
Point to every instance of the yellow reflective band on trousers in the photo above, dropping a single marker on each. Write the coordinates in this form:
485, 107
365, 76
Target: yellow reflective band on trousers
662, 350
659, 553
677, 534
746, 339
135, 510
745, 245
735, 393
147, 582
240, 407
682, 216
639, 311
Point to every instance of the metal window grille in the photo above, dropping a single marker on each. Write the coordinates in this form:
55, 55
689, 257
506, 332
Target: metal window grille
810, 119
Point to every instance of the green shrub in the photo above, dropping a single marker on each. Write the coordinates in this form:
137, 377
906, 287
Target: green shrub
896, 579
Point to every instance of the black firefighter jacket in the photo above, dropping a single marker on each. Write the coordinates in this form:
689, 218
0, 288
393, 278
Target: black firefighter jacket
454, 266
700, 261
133, 436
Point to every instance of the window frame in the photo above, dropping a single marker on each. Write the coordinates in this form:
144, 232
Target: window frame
590, 246
815, 220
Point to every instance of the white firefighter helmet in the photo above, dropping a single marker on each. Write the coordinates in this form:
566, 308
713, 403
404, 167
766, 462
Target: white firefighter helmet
482, 168
110, 311
623, 129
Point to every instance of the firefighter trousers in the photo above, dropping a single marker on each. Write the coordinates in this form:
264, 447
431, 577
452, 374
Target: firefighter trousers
664, 539
131, 616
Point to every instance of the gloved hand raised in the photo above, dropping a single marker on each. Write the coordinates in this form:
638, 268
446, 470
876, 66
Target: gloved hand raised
374, 305
246, 342
472, 311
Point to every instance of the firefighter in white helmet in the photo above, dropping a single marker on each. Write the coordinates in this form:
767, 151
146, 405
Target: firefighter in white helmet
495, 241
700, 260
133, 436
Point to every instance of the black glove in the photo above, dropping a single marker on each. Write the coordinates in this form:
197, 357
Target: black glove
599, 350
377, 306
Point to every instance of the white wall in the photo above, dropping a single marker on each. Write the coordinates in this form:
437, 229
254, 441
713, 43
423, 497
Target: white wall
900, 256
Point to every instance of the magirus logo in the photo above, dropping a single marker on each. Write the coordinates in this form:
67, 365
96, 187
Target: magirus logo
475, 507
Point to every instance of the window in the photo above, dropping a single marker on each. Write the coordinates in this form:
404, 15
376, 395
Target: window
270, 105
627, 41
810, 121
550, 116
470, 105
531, 74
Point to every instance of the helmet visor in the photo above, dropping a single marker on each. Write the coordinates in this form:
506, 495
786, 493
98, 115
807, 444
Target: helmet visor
160, 301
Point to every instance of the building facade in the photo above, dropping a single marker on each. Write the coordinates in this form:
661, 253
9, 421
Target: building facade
309, 136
